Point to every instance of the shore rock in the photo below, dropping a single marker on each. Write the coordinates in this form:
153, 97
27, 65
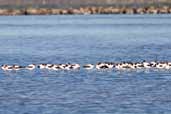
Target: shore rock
86, 10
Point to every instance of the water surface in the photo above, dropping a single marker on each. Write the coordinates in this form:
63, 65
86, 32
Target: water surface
85, 39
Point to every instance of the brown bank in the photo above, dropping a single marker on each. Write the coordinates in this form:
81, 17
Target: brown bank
86, 10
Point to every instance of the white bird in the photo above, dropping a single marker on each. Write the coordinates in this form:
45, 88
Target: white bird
146, 65
75, 66
48, 66
110, 66
42, 66
56, 67
16, 67
160, 66
88, 66
6, 67
30, 67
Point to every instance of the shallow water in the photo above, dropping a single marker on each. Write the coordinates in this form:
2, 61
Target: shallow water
85, 39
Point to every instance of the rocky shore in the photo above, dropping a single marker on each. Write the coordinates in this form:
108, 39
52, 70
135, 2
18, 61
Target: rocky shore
86, 10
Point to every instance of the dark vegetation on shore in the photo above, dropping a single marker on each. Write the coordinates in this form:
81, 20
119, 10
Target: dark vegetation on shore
55, 7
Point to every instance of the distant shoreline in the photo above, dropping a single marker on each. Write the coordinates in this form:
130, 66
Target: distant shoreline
87, 10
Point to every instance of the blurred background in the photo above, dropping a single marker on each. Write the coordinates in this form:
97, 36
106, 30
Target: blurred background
78, 3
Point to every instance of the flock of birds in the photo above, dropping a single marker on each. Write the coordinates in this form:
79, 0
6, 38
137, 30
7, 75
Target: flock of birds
99, 66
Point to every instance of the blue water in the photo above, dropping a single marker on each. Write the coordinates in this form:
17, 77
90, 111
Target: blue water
85, 39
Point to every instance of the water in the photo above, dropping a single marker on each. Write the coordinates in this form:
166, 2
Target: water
85, 39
